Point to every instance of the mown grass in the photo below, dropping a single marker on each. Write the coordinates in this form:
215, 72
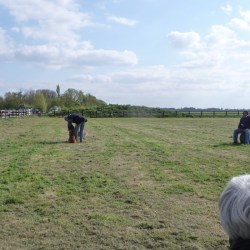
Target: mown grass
135, 183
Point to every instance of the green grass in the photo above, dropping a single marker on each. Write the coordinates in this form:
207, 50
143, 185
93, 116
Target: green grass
135, 183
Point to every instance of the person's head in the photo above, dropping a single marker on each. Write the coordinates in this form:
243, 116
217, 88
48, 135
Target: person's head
66, 118
245, 113
234, 206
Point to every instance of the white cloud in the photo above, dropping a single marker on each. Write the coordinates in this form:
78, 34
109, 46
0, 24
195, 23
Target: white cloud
239, 24
245, 15
227, 9
242, 23
65, 11
49, 56
50, 30
122, 20
167, 85
220, 36
219, 48
106, 57
5, 46
46, 20
3, 42
184, 39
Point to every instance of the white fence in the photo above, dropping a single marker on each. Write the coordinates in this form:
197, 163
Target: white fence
7, 113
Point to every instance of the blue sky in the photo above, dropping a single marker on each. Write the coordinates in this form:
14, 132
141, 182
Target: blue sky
156, 53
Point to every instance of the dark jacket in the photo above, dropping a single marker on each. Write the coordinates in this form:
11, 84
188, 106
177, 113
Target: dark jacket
244, 122
75, 118
239, 244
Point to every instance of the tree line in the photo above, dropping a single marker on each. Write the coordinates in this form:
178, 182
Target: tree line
46, 100
72, 100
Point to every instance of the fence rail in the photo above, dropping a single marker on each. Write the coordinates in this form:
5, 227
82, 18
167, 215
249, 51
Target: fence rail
208, 113
102, 113
7, 113
140, 113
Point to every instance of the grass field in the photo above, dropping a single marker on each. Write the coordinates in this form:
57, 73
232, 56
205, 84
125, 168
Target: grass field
135, 183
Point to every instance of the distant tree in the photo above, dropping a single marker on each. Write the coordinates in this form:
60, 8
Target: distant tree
93, 100
29, 97
40, 102
48, 94
82, 99
45, 99
55, 102
70, 98
13, 100
2, 106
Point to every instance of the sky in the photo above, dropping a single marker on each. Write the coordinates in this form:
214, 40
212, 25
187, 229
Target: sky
155, 53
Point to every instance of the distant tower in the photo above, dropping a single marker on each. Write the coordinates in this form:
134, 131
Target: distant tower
58, 90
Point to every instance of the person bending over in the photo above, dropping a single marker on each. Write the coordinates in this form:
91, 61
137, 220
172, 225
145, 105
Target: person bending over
79, 121
234, 209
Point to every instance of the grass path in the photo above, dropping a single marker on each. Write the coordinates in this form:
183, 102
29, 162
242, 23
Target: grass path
133, 184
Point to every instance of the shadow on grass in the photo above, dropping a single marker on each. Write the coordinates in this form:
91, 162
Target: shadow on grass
228, 145
52, 142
